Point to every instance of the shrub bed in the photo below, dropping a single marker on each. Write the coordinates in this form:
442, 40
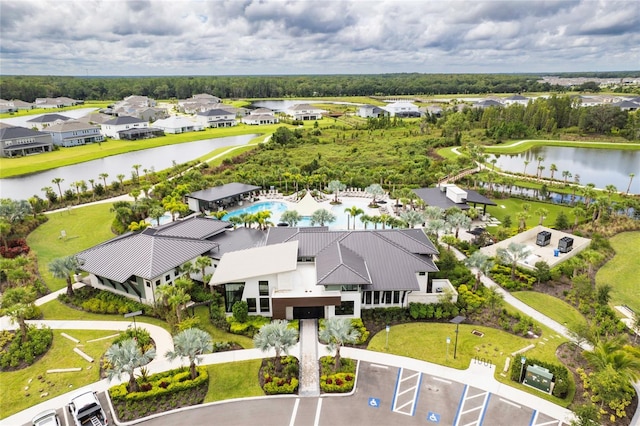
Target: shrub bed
101, 302
358, 325
15, 355
161, 392
14, 248
248, 328
283, 382
340, 381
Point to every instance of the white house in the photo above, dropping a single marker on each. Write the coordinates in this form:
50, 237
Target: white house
305, 112
112, 128
402, 109
371, 111
73, 133
176, 124
258, 119
216, 118
45, 120
516, 99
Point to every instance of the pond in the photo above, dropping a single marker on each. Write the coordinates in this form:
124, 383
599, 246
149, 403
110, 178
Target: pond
160, 158
601, 167
283, 105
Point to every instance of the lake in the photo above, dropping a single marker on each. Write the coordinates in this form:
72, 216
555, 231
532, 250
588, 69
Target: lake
601, 167
283, 105
160, 158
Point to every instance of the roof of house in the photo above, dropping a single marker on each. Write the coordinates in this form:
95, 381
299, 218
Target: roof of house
141, 255
193, 227
124, 119
304, 107
12, 132
214, 112
517, 98
95, 117
257, 261
626, 104
174, 121
487, 103
386, 259
259, 111
437, 197
224, 191
48, 118
237, 239
69, 126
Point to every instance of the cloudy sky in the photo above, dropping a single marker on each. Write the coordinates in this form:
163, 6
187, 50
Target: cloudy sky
215, 37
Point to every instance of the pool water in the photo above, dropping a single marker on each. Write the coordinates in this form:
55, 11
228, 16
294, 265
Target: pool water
279, 207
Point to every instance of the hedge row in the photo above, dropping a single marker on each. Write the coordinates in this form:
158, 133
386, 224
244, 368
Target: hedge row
38, 342
278, 385
164, 383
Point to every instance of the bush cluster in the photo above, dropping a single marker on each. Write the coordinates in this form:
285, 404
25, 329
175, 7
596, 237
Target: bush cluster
14, 353
248, 328
337, 383
138, 334
385, 315
14, 248
278, 385
502, 275
285, 382
433, 310
101, 302
164, 383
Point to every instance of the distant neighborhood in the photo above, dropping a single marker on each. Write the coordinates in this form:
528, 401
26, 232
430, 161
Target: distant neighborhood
140, 117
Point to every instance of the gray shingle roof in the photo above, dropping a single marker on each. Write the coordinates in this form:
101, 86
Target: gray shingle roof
125, 119
48, 118
13, 132
214, 112
224, 191
141, 255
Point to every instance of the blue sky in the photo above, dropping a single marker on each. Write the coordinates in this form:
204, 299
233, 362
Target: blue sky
172, 37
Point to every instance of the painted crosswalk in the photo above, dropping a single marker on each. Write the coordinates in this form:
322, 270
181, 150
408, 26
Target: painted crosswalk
406, 392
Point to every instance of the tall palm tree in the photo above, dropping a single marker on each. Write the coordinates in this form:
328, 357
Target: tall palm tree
63, 268
611, 189
433, 212
335, 186
190, 343
292, 217
104, 177
375, 190
540, 159
365, 219
353, 211
512, 254
276, 335
458, 220
58, 181
337, 332
202, 263
322, 216
578, 213
412, 218
124, 358
631, 176
542, 213
566, 174
375, 219
526, 163
17, 303
481, 262
136, 167
522, 220
553, 168
435, 226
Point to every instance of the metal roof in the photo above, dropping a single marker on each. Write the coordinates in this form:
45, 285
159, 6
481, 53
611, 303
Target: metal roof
237, 239
142, 255
194, 227
337, 264
224, 191
125, 119
13, 132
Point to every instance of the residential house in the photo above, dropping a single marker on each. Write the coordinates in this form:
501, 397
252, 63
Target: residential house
216, 118
516, 99
6, 106
95, 118
44, 120
402, 109
199, 103
486, 103
19, 141
73, 133
176, 124
304, 112
627, 105
258, 117
14, 105
128, 128
372, 111
56, 102
318, 273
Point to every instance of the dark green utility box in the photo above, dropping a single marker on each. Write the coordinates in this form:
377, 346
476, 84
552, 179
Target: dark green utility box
539, 378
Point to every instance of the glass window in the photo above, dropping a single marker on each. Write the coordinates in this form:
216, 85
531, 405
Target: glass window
263, 287
264, 304
422, 274
349, 287
232, 294
251, 302
345, 308
167, 277
387, 297
367, 297
396, 297
157, 283
376, 297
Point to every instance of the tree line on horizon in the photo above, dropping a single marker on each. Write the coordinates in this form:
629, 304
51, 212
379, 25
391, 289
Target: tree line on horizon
28, 88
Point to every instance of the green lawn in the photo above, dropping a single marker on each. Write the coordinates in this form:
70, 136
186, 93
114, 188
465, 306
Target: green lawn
554, 308
514, 205
427, 342
623, 270
84, 227
15, 397
233, 380
219, 335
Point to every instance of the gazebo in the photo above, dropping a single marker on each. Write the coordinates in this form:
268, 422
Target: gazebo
217, 197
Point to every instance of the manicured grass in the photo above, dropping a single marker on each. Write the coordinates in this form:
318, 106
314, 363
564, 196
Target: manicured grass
623, 270
427, 342
90, 104
552, 307
218, 335
14, 397
514, 205
84, 227
512, 148
234, 380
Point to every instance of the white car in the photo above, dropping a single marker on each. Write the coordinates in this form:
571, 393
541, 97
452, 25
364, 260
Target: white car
46, 418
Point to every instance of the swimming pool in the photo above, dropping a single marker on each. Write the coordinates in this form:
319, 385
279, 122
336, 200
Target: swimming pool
279, 207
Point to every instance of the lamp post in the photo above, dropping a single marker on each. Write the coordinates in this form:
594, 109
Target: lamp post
134, 315
448, 341
457, 320
523, 361
387, 342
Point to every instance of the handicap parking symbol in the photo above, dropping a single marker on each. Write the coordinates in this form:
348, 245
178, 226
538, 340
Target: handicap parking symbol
374, 402
433, 417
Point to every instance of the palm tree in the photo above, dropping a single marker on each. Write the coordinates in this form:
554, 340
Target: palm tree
190, 343
156, 212
365, 219
136, 167
495, 299
526, 163
104, 177
459, 220
433, 212
553, 168
276, 335
375, 190
124, 358
566, 174
631, 176
522, 220
353, 211
17, 303
512, 254
63, 268
542, 213
262, 219
202, 263
292, 217
435, 226
337, 332
322, 216
412, 218
375, 219
335, 186
578, 213
540, 160
120, 178
481, 262
58, 181
613, 353
611, 189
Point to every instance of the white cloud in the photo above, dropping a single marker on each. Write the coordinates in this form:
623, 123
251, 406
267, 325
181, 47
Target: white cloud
117, 37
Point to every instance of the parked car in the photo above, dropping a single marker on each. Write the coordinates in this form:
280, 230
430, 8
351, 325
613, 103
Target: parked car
46, 418
86, 410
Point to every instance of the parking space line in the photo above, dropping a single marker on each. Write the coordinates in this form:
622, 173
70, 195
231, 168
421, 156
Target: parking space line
484, 408
411, 377
464, 393
294, 413
442, 380
558, 422
380, 366
318, 409
402, 388
506, 401
395, 392
534, 416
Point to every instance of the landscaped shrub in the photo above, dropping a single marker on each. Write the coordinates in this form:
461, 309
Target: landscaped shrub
101, 302
284, 382
278, 385
337, 383
172, 381
248, 328
138, 334
14, 353
14, 248
240, 311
